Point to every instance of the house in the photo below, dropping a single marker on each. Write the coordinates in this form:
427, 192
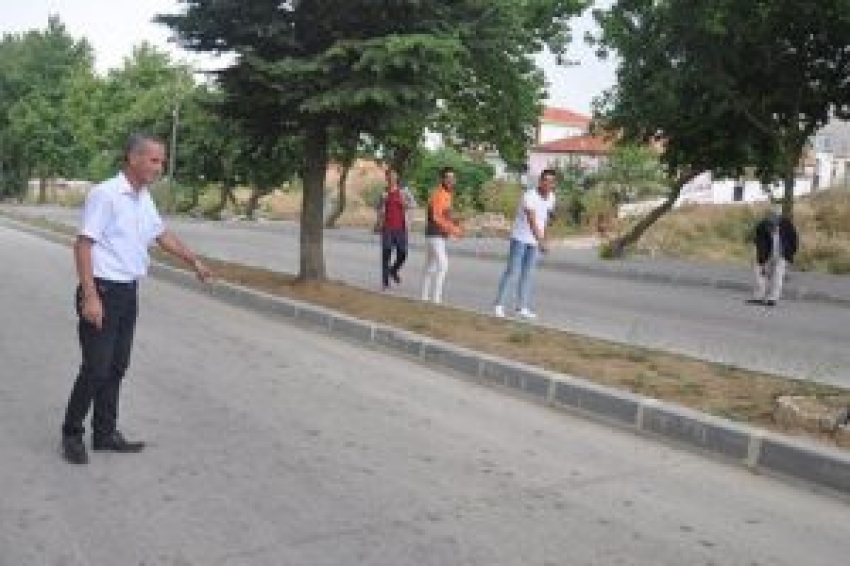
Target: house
585, 150
559, 123
560, 138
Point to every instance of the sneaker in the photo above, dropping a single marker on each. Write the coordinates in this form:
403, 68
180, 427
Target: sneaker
526, 313
499, 311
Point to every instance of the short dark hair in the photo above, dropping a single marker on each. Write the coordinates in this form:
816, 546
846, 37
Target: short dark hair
546, 172
446, 170
137, 140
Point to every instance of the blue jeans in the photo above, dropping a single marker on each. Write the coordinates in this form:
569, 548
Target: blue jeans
521, 258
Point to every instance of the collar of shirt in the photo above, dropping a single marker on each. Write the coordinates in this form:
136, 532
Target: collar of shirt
125, 188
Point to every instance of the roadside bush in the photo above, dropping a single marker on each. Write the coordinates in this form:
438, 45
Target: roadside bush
500, 196
471, 175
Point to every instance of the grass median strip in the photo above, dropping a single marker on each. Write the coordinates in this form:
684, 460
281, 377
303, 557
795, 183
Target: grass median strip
718, 389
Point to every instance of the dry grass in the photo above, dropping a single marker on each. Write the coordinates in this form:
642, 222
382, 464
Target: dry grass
722, 232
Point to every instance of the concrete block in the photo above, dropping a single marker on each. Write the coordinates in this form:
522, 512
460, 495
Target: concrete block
245, 298
604, 402
353, 328
398, 340
454, 358
315, 316
529, 380
718, 436
817, 465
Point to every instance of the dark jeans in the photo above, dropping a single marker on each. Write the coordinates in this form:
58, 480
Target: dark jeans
392, 239
106, 355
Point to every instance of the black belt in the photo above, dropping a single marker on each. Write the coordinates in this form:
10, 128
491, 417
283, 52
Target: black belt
117, 284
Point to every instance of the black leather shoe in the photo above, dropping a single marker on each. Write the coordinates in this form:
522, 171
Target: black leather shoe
770, 303
116, 442
73, 450
754, 301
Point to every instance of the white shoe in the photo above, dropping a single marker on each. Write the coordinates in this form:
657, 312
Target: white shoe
499, 311
525, 313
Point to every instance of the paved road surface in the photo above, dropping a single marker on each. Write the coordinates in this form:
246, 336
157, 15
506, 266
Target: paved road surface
271, 445
799, 339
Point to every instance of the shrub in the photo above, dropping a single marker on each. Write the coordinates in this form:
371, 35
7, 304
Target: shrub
501, 196
471, 175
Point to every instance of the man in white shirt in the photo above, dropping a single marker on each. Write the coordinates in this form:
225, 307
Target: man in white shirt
119, 223
527, 242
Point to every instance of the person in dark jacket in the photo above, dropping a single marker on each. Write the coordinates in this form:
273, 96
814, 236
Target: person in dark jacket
776, 243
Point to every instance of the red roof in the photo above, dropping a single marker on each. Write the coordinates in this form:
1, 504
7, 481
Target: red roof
564, 117
586, 143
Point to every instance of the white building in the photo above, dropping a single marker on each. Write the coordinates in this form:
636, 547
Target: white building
559, 123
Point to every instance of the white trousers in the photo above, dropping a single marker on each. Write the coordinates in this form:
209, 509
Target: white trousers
435, 269
769, 279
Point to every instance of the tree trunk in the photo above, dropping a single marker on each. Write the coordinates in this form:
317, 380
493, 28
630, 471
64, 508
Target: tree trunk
788, 194
619, 245
225, 194
340, 201
42, 189
794, 153
312, 264
400, 160
254, 201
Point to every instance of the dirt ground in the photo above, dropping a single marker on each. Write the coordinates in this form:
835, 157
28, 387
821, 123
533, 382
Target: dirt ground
718, 389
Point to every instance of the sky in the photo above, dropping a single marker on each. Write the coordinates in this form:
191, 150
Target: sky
113, 27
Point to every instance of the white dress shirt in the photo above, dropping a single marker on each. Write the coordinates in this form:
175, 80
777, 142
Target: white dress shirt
122, 223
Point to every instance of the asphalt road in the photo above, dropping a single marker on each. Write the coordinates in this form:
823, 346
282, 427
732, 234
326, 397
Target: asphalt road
798, 339
272, 445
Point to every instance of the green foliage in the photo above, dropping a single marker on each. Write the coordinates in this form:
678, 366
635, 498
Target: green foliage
386, 70
631, 172
471, 176
37, 70
501, 196
727, 85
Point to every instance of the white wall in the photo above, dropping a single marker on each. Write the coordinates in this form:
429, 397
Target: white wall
704, 190
540, 160
552, 132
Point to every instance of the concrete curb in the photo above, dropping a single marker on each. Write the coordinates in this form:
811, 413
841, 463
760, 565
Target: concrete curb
743, 445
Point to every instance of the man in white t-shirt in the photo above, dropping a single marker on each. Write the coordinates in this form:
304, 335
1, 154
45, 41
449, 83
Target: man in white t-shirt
527, 242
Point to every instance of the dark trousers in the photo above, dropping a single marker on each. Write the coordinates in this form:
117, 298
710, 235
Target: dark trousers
392, 239
106, 355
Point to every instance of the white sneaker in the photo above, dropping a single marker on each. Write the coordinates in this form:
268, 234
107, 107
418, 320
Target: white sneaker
499, 311
525, 313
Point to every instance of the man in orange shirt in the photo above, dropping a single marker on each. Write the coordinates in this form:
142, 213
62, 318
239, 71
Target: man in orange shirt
440, 227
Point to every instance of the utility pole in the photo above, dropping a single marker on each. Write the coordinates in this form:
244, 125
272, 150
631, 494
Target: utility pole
172, 153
